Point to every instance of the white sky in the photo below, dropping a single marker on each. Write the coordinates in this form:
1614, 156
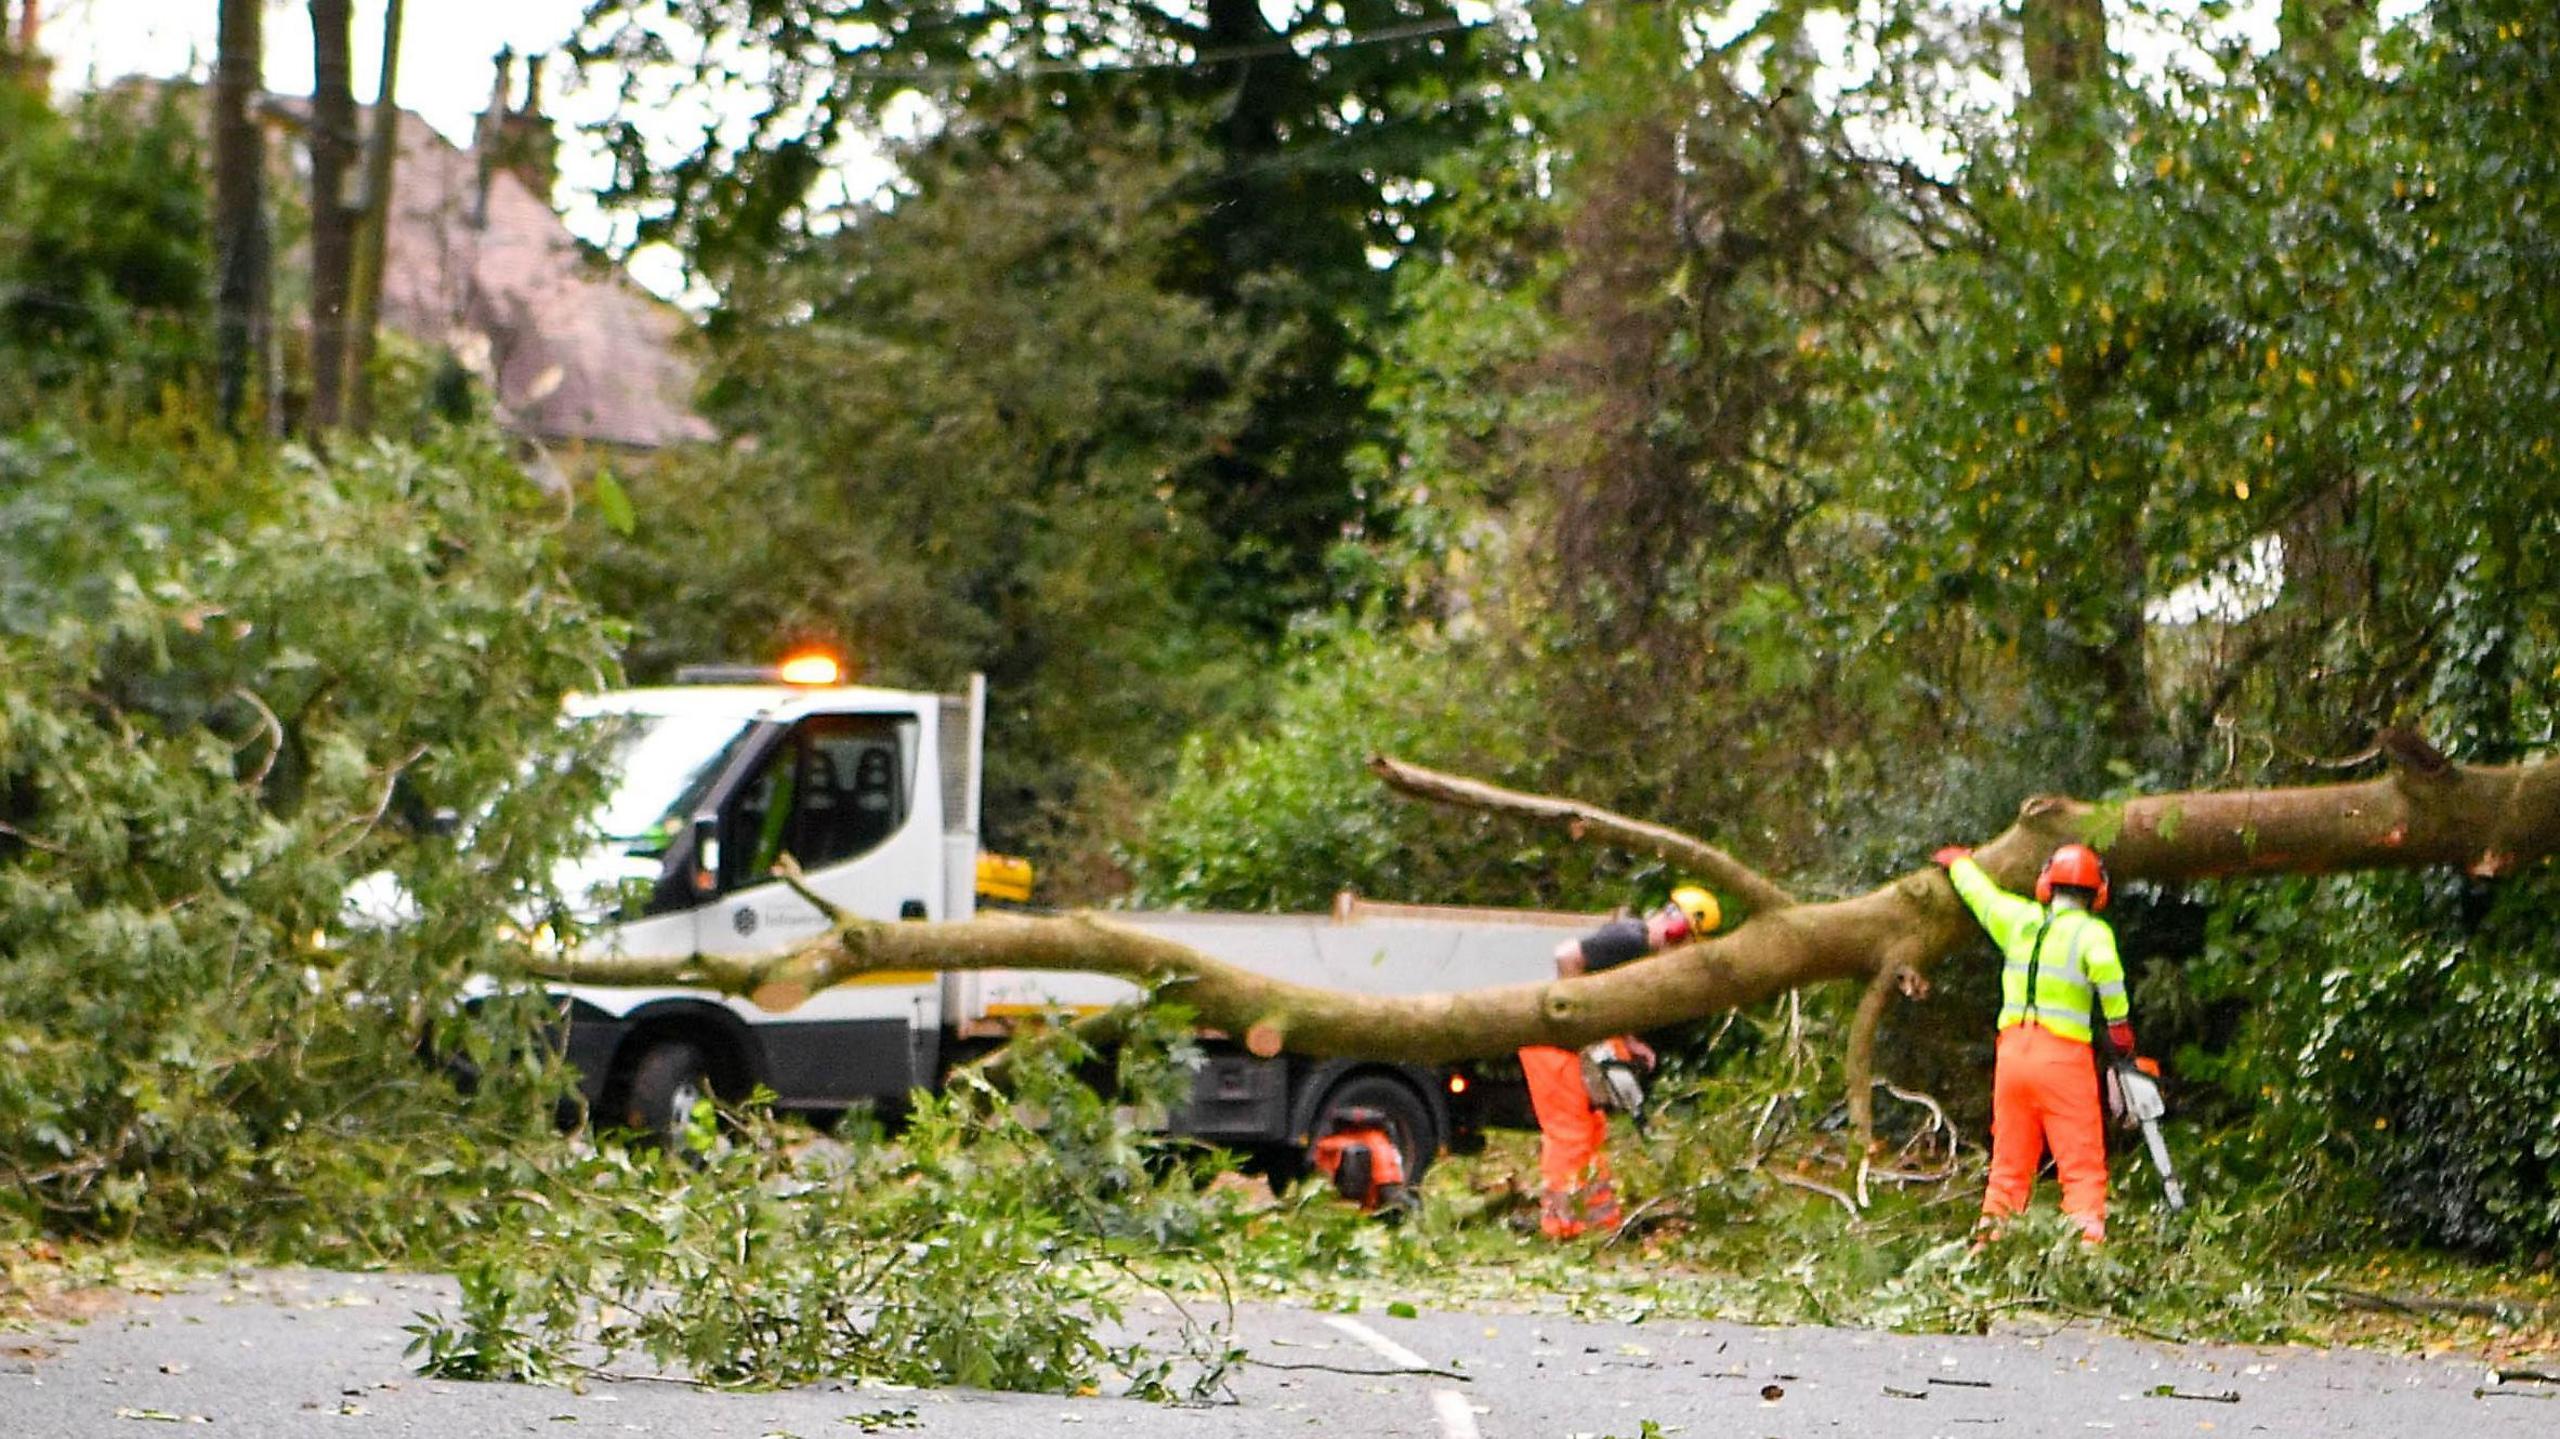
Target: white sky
445, 71
446, 52
445, 46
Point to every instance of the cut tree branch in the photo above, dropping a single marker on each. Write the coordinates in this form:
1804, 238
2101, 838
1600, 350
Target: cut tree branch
2427, 812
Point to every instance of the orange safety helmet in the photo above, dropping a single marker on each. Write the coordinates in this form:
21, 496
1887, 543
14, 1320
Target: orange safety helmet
2078, 867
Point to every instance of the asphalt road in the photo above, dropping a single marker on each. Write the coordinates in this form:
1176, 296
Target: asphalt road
296, 1353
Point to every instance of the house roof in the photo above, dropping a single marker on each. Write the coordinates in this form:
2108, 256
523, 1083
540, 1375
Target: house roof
573, 348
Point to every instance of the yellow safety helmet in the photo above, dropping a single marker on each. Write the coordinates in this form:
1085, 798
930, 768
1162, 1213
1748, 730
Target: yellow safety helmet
1699, 907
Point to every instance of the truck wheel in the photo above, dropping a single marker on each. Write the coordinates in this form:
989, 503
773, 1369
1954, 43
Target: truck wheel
1403, 1114
670, 1078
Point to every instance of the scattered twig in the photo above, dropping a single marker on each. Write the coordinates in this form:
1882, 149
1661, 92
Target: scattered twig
1825, 1190
2147, 1331
1362, 1373
2497, 1309
1906, 1393
1717, 1038
1759, 1153
2219, 1396
2510, 1394
611, 1377
1959, 1383
1937, 1112
1913, 1176
1628, 1225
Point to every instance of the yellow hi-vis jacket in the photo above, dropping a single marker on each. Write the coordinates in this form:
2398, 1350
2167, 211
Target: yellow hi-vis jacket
2056, 959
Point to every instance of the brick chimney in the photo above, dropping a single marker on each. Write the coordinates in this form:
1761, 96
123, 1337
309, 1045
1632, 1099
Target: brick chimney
516, 139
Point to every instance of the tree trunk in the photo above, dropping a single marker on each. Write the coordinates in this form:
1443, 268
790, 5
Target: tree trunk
333, 221
242, 339
2066, 51
373, 234
2486, 821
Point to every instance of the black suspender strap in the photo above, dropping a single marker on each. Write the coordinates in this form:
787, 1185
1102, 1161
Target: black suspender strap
2035, 956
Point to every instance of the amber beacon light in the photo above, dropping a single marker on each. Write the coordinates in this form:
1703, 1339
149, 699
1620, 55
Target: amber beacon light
812, 667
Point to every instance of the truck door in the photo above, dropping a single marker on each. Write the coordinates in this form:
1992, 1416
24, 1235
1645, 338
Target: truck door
840, 794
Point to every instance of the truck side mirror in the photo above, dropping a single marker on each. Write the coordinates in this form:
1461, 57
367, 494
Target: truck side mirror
706, 853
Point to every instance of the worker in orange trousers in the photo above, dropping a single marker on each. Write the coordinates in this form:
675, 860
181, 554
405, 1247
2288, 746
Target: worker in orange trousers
2059, 962
1577, 1193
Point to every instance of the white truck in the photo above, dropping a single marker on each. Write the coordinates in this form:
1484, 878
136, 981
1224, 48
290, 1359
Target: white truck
875, 793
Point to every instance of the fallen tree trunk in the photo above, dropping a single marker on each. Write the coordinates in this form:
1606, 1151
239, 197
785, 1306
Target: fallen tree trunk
2425, 812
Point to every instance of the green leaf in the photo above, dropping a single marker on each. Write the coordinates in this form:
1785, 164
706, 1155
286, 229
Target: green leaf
614, 503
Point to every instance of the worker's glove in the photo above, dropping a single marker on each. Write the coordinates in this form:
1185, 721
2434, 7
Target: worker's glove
1949, 854
2120, 1035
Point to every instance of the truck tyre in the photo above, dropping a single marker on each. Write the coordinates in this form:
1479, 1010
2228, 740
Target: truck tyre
1406, 1118
670, 1077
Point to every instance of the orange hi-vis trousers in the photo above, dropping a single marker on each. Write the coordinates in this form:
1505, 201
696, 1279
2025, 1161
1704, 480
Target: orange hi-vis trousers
2044, 1093
1575, 1173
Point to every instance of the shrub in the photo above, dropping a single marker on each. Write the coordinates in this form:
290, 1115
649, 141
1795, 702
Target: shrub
229, 686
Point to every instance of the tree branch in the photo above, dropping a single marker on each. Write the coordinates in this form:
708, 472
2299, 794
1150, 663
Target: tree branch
2429, 812
1719, 869
1858, 1067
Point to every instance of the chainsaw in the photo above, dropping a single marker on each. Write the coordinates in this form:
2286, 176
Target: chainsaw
2135, 1097
1611, 1080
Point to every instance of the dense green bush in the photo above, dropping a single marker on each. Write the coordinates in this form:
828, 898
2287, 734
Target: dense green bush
229, 686
1284, 814
2400, 1055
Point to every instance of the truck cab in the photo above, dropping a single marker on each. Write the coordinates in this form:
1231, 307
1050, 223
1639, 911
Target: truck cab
874, 793
714, 783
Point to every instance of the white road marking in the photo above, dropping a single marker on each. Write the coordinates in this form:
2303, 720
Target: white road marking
1395, 1353
1457, 1420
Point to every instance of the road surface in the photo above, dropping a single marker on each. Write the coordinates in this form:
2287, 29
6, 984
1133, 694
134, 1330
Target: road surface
296, 1353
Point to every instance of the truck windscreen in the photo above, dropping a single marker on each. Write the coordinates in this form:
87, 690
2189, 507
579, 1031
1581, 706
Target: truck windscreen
662, 765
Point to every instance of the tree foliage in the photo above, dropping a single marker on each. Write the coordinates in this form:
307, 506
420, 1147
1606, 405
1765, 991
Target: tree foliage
105, 250
230, 686
982, 1246
1311, 124
962, 420
1273, 818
